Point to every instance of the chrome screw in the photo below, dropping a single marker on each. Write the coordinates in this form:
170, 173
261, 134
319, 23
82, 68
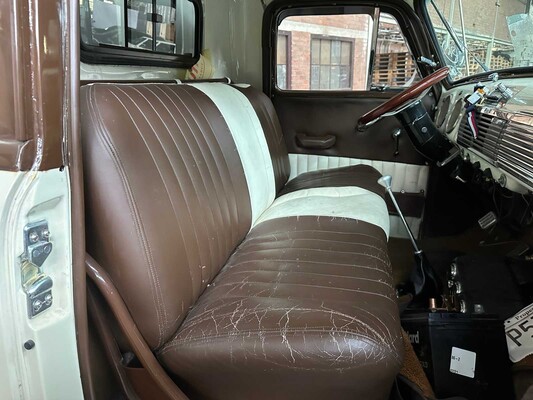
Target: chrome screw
34, 237
37, 305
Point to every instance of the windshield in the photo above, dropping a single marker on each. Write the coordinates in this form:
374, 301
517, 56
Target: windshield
483, 35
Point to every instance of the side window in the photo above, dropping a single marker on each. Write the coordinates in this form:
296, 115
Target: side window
334, 52
140, 31
331, 63
283, 65
394, 65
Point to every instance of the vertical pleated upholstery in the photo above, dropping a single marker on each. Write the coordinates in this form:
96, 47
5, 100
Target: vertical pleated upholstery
167, 200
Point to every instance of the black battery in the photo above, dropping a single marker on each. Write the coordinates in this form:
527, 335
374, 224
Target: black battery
434, 335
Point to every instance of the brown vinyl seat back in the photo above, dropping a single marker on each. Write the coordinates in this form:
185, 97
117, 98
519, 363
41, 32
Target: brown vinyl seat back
166, 198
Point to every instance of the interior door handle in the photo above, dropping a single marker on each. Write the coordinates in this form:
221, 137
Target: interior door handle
315, 142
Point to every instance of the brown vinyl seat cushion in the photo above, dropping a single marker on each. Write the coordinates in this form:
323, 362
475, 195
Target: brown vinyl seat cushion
234, 304
363, 176
304, 309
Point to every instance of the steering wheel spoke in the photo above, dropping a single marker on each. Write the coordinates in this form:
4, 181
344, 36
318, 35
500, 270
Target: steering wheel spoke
402, 100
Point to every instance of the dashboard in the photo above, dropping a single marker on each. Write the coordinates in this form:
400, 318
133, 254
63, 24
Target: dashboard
504, 142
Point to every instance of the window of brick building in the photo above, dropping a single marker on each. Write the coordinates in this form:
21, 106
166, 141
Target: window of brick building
331, 64
283, 64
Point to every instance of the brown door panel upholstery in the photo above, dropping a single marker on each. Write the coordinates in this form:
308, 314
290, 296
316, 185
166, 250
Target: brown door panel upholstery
335, 115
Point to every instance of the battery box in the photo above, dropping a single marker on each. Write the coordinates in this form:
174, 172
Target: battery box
462, 354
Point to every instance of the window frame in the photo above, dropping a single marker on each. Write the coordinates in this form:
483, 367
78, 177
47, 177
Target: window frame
414, 31
118, 55
288, 57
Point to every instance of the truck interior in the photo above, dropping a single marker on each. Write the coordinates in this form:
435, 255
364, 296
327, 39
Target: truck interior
254, 199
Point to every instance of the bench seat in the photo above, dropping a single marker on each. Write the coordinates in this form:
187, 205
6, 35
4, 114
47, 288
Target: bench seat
304, 307
242, 290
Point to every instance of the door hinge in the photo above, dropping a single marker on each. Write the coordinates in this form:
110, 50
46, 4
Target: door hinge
36, 284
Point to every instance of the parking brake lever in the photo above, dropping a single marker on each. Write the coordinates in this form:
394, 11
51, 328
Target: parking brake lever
423, 277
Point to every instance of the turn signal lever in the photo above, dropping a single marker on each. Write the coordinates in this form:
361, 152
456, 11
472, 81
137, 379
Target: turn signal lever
425, 284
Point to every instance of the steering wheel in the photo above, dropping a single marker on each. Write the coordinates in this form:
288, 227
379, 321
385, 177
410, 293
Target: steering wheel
402, 100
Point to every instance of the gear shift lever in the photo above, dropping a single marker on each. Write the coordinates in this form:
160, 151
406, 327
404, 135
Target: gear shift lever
386, 182
423, 278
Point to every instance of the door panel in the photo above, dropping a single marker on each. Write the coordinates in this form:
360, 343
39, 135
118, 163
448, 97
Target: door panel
334, 64
318, 116
322, 115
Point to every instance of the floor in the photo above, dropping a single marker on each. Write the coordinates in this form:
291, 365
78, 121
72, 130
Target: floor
474, 241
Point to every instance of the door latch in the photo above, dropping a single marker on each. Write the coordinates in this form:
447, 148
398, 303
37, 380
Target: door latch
396, 137
36, 284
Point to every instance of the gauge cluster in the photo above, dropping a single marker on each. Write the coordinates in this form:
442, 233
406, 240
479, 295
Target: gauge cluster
495, 134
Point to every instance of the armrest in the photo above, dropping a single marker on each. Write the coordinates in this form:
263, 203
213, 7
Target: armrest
315, 142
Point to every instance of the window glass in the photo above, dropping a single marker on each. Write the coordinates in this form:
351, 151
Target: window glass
282, 60
333, 52
335, 67
161, 26
394, 66
478, 35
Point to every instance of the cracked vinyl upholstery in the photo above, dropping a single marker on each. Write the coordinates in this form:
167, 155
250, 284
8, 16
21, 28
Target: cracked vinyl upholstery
293, 307
305, 307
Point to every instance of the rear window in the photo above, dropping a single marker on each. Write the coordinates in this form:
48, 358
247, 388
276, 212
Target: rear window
140, 32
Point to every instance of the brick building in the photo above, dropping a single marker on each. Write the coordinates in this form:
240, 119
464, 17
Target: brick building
332, 52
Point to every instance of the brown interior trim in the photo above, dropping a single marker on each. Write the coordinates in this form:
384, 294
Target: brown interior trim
16, 155
148, 360
32, 83
111, 348
125, 81
73, 159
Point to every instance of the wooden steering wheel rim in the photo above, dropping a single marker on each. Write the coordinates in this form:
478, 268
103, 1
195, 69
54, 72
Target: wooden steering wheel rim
405, 96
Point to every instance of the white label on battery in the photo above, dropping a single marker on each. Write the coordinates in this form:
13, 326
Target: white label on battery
463, 362
519, 334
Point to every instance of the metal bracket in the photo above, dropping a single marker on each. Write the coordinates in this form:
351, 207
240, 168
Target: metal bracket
37, 285
427, 61
37, 243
